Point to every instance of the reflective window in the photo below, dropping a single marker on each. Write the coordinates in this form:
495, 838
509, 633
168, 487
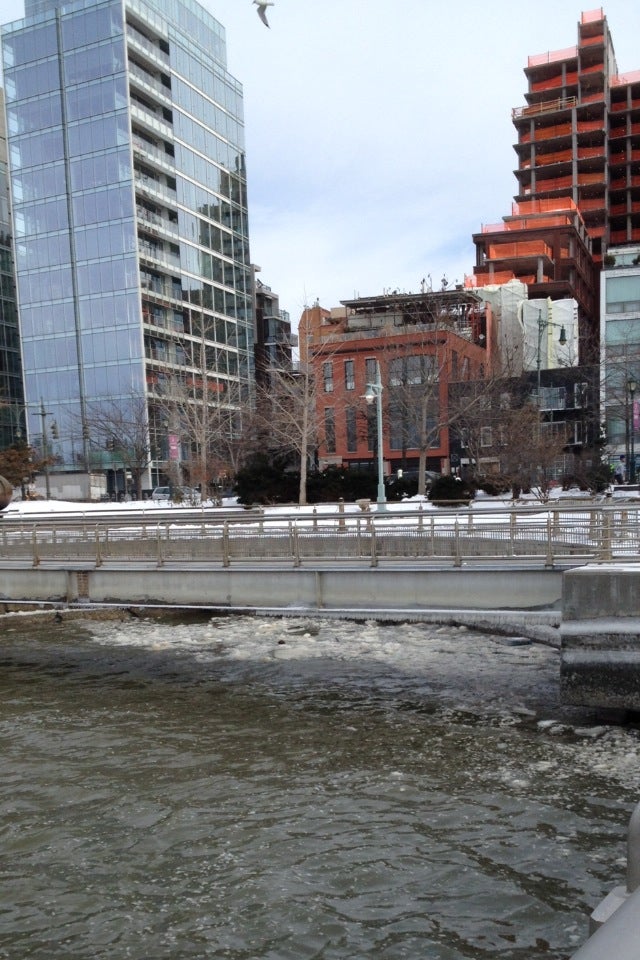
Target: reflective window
330, 430
623, 294
106, 275
351, 427
24, 46
97, 206
39, 148
90, 26
99, 60
94, 99
100, 133
100, 170
39, 184
45, 111
42, 217
32, 80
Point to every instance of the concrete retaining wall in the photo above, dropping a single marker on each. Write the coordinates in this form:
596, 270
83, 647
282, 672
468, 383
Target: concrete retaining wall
399, 587
600, 637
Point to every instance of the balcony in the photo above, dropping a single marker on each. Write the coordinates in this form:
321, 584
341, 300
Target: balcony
545, 106
143, 43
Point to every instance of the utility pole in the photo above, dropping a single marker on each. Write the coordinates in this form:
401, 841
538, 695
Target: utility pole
45, 448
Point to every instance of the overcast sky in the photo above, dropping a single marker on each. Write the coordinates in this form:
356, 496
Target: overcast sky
379, 134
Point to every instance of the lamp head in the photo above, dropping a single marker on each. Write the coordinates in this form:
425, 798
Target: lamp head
563, 336
370, 394
632, 385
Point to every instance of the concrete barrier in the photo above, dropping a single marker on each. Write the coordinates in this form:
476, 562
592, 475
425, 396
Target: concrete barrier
600, 636
400, 587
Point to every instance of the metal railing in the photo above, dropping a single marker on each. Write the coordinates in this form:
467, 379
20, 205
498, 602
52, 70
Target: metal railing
619, 935
565, 536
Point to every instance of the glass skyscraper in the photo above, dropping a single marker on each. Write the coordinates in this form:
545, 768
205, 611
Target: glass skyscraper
126, 156
11, 399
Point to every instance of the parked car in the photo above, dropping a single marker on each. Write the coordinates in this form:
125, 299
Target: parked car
177, 494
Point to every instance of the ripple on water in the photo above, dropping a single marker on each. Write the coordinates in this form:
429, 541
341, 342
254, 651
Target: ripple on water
169, 795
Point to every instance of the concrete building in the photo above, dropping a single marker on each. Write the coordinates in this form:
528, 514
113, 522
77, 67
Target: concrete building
274, 340
126, 147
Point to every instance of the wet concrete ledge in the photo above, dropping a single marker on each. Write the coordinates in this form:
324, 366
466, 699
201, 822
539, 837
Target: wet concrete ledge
600, 636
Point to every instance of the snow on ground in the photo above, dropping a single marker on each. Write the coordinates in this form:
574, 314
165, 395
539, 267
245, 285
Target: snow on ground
482, 502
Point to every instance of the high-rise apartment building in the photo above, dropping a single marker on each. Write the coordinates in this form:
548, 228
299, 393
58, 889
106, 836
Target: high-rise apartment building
126, 150
273, 338
578, 174
12, 425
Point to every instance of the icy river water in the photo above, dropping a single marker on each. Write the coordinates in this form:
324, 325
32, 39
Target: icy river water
285, 789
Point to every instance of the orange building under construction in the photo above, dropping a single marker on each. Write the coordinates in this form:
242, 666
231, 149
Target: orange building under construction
578, 175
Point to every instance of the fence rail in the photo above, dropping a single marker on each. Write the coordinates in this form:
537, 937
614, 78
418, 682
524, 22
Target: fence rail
561, 535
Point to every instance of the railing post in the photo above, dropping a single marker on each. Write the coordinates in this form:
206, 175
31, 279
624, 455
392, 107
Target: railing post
98, 551
226, 558
605, 541
512, 533
159, 555
457, 558
296, 548
34, 546
548, 562
374, 547
315, 520
420, 518
341, 521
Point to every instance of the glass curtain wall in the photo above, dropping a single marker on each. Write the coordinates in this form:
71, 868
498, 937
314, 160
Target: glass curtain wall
12, 427
127, 164
620, 351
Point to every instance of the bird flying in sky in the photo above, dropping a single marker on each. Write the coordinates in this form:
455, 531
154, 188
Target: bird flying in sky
262, 9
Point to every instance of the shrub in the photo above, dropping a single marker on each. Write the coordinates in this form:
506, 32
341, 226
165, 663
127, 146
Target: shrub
263, 481
450, 491
399, 487
570, 480
494, 486
335, 483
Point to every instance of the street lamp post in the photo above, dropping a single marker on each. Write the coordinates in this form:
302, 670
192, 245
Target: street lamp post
631, 387
374, 392
562, 339
45, 449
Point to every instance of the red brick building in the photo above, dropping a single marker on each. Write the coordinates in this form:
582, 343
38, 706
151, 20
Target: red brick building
422, 342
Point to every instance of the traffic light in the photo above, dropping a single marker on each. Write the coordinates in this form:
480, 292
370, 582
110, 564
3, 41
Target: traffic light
111, 443
54, 430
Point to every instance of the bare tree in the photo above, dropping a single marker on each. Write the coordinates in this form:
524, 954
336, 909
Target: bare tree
503, 433
121, 427
205, 404
289, 417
